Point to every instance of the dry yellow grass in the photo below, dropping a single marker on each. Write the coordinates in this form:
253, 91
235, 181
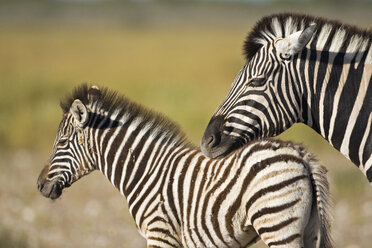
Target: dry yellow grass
179, 65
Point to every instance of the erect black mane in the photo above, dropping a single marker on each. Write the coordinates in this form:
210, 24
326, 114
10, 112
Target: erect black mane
109, 101
80, 92
251, 45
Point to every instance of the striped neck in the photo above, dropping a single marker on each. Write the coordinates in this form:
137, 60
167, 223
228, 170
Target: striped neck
126, 144
133, 152
333, 91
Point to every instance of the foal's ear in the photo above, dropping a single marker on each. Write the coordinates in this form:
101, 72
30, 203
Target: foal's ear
94, 93
295, 42
80, 113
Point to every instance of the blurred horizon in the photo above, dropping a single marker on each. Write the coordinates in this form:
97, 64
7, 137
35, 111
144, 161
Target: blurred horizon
39, 28
178, 58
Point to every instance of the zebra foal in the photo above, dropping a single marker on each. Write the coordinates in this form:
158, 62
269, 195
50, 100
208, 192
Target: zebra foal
271, 190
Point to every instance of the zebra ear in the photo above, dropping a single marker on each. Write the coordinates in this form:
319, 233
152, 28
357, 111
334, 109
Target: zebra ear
94, 93
79, 112
295, 42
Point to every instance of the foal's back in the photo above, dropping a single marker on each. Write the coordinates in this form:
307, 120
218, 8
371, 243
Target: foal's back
263, 189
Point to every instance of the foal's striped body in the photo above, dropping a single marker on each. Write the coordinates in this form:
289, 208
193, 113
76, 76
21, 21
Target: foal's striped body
271, 190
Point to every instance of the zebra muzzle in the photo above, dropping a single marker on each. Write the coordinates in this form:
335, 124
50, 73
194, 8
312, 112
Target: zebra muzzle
49, 188
215, 143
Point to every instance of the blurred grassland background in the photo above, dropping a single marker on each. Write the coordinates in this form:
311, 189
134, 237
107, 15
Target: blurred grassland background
178, 58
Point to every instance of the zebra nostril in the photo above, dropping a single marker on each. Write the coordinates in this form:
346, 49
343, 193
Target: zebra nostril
210, 140
212, 135
39, 186
42, 177
213, 140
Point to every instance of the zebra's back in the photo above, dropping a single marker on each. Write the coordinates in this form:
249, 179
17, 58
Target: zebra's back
263, 189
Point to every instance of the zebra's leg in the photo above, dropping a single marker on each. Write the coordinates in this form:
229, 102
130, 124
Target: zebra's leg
251, 236
280, 217
160, 246
283, 240
161, 242
158, 234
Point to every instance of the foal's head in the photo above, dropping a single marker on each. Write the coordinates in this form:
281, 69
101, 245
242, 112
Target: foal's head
71, 157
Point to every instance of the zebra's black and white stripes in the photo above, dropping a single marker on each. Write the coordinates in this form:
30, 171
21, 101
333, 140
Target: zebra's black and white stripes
271, 190
300, 69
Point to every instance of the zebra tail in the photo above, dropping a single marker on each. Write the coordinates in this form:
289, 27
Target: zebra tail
323, 202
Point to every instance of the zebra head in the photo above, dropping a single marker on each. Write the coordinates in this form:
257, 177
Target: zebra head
71, 157
261, 100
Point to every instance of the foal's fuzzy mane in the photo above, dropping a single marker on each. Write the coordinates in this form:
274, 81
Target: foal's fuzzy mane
284, 24
110, 101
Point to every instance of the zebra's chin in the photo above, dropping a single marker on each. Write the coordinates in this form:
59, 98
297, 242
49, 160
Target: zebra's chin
51, 189
226, 146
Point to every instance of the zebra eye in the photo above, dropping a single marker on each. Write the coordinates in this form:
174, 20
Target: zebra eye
62, 142
256, 82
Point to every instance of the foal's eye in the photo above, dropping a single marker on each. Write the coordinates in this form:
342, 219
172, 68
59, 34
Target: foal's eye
62, 142
256, 82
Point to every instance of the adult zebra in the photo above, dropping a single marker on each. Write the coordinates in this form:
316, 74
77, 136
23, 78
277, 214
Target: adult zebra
178, 197
300, 69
